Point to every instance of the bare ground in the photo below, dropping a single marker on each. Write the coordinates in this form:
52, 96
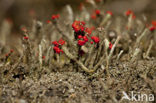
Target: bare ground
74, 87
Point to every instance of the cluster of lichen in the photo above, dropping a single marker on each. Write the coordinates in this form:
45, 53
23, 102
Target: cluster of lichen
85, 42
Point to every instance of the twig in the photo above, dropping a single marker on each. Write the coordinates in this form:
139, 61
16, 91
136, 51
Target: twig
69, 55
135, 54
102, 58
99, 51
112, 50
48, 56
91, 63
40, 56
27, 49
130, 21
110, 55
141, 36
104, 21
149, 49
99, 63
119, 55
89, 55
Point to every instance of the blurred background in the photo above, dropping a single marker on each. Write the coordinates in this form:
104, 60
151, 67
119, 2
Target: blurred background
20, 12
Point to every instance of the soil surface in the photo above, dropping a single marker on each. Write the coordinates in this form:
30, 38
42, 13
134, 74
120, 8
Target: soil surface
74, 87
